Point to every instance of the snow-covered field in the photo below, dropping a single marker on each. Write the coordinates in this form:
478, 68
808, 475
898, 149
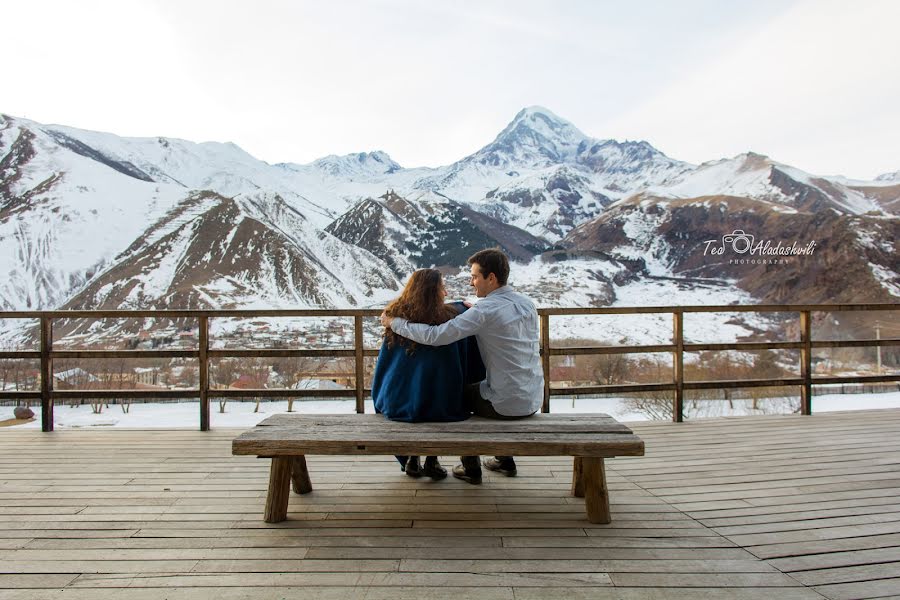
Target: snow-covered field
571, 284
186, 415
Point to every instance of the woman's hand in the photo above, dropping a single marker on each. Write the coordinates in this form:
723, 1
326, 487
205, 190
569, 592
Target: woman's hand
386, 320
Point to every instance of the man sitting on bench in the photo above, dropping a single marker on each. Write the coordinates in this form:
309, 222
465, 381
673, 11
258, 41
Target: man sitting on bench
505, 324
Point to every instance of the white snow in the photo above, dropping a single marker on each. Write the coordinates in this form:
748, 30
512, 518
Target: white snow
641, 229
885, 180
743, 175
748, 175
851, 200
240, 414
570, 283
656, 328
573, 283
886, 278
67, 234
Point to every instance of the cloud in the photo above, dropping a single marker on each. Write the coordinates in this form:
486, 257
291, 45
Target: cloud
817, 87
811, 84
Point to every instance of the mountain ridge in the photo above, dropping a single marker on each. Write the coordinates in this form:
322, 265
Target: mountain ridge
74, 203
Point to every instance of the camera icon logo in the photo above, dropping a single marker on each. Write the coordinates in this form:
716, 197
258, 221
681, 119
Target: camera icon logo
740, 242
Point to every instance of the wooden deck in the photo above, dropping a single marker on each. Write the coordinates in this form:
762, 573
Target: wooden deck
754, 507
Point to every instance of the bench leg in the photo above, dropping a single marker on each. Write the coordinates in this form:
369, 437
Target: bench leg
300, 476
596, 495
279, 489
578, 478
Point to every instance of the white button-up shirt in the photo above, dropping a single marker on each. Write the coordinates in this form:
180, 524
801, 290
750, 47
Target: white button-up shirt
505, 323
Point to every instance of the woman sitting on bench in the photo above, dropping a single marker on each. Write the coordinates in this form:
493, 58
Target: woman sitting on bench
416, 383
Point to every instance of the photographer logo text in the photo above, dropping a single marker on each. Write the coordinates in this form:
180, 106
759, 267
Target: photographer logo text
764, 251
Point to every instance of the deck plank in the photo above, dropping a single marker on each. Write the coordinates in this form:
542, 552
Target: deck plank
752, 508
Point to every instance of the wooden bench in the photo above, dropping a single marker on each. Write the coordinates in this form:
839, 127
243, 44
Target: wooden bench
287, 439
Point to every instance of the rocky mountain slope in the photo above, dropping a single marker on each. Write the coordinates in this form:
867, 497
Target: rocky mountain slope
217, 252
746, 242
93, 222
410, 234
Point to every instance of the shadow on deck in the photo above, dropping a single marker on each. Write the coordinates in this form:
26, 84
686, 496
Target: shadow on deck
751, 507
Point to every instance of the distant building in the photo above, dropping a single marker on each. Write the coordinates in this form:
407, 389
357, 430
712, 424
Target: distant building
318, 384
74, 378
248, 382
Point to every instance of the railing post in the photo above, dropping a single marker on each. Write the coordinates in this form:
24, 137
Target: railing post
678, 365
806, 362
46, 374
360, 365
545, 360
204, 372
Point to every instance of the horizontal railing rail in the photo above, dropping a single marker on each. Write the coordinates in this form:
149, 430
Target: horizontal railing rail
203, 353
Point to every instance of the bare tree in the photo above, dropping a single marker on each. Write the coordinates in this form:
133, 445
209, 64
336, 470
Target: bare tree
295, 369
221, 374
259, 375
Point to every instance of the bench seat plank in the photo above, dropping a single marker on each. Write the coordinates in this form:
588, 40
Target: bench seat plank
284, 441
590, 423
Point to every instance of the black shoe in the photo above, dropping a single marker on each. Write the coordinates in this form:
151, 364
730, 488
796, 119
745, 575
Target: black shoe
413, 467
433, 468
504, 465
472, 476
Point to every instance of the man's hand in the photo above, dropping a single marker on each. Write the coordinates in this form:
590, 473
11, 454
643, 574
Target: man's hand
386, 320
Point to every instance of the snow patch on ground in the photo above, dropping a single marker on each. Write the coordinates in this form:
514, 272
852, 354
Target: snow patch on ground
186, 415
656, 328
886, 278
642, 229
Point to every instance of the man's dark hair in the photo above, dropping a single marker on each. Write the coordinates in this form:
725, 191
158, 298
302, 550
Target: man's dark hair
492, 260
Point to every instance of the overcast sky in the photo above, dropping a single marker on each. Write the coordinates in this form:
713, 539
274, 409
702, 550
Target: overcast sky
814, 84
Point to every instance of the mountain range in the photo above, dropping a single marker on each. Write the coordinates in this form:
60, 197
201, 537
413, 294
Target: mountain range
94, 220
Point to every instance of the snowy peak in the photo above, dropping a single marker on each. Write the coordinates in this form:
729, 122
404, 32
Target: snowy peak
634, 152
743, 175
519, 169
628, 164
538, 122
756, 176
890, 177
535, 137
360, 165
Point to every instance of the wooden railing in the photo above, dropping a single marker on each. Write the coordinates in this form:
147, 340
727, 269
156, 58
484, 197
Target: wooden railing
678, 385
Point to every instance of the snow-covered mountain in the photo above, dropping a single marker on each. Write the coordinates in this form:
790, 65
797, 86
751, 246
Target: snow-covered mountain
363, 166
65, 214
549, 202
91, 219
756, 176
428, 231
250, 251
222, 168
835, 257
547, 175
537, 139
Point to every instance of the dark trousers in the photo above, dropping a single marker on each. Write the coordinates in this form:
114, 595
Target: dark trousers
483, 408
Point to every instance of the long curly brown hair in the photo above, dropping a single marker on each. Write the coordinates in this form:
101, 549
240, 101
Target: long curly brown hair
420, 302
